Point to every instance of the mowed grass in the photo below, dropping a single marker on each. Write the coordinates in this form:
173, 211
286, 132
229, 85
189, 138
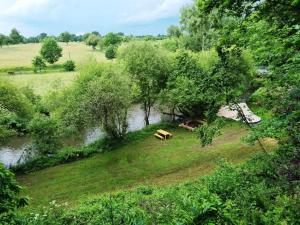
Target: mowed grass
42, 83
22, 54
148, 162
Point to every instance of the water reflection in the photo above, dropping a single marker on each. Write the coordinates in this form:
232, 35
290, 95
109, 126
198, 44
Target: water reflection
11, 152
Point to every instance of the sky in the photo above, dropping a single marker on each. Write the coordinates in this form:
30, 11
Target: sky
138, 17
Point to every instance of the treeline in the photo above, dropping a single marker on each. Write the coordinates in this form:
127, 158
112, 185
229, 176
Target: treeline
15, 37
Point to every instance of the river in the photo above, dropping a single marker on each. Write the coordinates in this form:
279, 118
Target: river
11, 152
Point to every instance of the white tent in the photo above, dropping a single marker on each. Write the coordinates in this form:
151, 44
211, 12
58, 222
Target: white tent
231, 112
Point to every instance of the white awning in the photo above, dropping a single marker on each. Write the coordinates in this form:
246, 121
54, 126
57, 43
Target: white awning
231, 112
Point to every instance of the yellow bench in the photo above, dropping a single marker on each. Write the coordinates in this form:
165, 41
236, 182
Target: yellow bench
164, 134
158, 136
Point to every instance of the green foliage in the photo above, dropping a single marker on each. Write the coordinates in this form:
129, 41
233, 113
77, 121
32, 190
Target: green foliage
15, 37
9, 196
45, 133
92, 40
50, 50
207, 132
202, 28
111, 39
174, 31
3, 40
65, 37
107, 101
13, 100
171, 44
149, 67
38, 64
69, 65
110, 52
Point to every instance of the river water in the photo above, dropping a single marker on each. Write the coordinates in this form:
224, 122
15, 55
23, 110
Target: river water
11, 152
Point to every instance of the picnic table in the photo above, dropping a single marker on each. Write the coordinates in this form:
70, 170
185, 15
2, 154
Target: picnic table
164, 134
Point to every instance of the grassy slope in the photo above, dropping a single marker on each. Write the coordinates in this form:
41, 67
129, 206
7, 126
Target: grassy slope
44, 82
148, 161
22, 54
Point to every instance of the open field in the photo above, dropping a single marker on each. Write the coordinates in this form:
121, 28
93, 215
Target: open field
148, 162
22, 54
41, 83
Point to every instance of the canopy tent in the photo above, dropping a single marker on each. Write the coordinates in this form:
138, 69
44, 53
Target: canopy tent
231, 112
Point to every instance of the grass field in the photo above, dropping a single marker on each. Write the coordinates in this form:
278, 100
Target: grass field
41, 83
149, 161
22, 54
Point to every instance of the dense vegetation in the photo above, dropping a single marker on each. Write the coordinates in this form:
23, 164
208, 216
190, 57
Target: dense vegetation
212, 59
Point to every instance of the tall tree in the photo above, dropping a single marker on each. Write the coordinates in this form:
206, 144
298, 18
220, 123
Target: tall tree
149, 67
111, 39
92, 40
16, 37
50, 50
2, 40
107, 101
66, 38
174, 31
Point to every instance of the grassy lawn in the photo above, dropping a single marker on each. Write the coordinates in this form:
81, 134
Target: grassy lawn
22, 54
44, 82
149, 161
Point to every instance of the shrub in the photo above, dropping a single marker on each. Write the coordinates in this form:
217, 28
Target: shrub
13, 100
9, 196
38, 64
69, 65
45, 134
110, 52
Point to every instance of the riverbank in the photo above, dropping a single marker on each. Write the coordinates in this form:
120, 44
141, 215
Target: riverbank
146, 161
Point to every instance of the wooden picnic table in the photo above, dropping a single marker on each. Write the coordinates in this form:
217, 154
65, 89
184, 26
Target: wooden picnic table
164, 133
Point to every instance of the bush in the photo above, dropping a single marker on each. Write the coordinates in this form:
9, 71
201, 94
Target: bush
69, 65
9, 196
110, 52
12, 99
38, 64
45, 134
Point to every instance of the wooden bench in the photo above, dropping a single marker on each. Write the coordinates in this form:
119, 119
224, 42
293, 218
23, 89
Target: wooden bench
164, 134
159, 137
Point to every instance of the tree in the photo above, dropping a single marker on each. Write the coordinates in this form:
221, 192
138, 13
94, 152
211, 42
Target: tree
9, 195
111, 39
50, 50
107, 101
66, 37
3, 39
185, 91
38, 63
16, 37
42, 36
201, 27
92, 40
174, 31
149, 67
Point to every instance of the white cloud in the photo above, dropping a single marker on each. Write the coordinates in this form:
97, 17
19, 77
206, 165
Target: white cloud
164, 9
26, 7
